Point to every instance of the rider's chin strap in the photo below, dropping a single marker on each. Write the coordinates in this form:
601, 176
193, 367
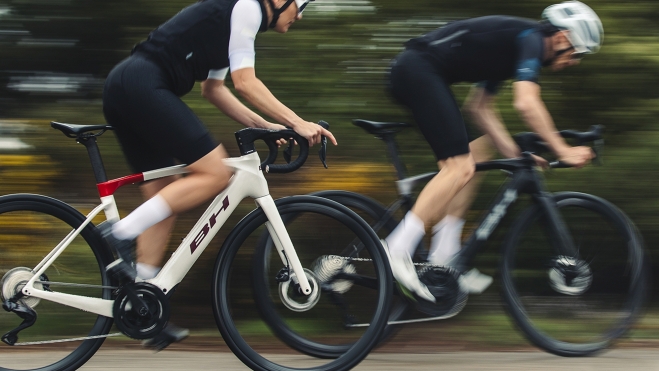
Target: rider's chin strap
276, 12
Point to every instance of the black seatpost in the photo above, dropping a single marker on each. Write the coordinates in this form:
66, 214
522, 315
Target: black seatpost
392, 150
89, 141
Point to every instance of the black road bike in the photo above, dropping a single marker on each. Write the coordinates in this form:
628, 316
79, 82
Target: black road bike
572, 266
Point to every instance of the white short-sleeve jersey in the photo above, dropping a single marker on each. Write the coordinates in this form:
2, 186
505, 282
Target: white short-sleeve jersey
246, 20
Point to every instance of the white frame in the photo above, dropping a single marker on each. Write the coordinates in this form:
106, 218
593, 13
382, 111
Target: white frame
247, 181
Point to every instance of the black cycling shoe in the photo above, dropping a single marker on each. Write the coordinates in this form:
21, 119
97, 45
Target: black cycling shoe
170, 334
124, 266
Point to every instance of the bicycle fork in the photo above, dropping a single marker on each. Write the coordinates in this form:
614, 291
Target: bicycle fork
284, 246
559, 235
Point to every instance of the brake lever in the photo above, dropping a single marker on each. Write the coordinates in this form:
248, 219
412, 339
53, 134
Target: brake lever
322, 152
597, 148
288, 152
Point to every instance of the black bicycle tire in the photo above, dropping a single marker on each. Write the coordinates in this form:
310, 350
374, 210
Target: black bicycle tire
244, 228
72, 217
638, 279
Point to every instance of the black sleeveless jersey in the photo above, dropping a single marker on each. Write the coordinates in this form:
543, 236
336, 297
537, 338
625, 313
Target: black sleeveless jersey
193, 42
486, 49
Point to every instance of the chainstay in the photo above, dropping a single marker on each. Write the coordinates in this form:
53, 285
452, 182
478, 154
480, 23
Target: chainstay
67, 340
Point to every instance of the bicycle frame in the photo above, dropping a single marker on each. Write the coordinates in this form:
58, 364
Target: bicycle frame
247, 181
524, 179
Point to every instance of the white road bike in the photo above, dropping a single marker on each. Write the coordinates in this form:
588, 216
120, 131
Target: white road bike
53, 260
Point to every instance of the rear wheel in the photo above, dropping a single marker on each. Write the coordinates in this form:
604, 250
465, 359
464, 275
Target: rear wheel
312, 325
30, 227
574, 305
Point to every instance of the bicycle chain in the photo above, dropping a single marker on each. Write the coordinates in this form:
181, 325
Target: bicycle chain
370, 260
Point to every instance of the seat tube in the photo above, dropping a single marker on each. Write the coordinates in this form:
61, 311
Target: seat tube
277, 226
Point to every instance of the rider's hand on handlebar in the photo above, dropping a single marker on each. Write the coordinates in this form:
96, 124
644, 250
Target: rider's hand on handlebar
577, 156
313, 132
544, 164
272, 126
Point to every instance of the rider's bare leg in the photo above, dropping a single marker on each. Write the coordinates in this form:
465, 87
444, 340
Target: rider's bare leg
207, 177
455, 173
151, 244
446, 234
432, 203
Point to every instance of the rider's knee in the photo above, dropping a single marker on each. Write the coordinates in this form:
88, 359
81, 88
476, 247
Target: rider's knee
213, 169
462, 168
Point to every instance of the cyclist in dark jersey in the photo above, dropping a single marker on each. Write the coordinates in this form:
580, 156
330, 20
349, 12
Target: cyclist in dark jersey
155, 127
486, 51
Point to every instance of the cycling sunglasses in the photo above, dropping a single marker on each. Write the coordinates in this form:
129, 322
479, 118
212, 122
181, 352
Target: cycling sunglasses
576, 56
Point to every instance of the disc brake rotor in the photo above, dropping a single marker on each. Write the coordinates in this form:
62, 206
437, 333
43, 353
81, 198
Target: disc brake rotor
294, 300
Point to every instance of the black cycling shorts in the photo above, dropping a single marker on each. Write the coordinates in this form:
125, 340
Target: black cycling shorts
418, 84
153, 125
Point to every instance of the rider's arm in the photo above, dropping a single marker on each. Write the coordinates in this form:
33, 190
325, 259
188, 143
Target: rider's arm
252, 89
221, 97
528, 103
530, 106
255, 92
245, 22
480, 106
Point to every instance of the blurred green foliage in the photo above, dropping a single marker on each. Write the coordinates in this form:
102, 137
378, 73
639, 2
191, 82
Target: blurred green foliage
331, 65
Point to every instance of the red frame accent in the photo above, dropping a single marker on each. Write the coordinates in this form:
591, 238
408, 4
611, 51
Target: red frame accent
108, 188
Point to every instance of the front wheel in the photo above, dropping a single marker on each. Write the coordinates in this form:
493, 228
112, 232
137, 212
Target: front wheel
259, 330
574, 305
61, 338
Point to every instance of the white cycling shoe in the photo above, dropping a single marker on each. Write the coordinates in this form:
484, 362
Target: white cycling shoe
474, 282
405, 274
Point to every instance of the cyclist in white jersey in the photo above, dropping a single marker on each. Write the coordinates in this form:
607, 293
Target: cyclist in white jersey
204, 42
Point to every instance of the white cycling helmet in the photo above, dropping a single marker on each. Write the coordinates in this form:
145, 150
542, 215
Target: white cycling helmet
584, 26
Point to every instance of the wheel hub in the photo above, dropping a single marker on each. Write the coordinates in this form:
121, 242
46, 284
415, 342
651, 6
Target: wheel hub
293, 299
570, 276
12, 283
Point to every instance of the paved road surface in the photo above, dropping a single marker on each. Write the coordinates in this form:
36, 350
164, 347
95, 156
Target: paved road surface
134, 360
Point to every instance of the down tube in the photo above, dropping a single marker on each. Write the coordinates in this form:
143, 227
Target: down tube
270, 209
199, 237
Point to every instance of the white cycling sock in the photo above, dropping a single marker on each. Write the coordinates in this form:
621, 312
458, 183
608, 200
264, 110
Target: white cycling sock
146, 271
446, 239
146, 215
406, 236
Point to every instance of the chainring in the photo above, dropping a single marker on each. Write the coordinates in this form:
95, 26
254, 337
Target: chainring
442, 282
133, 324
